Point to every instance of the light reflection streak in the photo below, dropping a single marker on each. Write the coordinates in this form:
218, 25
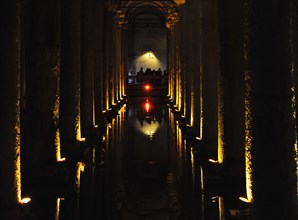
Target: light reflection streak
80, 168
192, 159
202, 189
58, 201
221, 208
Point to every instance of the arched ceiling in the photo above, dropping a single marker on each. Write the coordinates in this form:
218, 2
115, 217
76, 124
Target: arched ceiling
145, 13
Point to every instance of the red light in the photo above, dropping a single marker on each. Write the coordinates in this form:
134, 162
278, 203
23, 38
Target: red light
147, 106
147, 87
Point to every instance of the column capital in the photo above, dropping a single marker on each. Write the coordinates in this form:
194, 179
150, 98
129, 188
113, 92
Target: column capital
172, 17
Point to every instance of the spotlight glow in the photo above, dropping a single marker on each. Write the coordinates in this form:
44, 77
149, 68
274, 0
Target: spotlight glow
246, 200
213, 161
25, 200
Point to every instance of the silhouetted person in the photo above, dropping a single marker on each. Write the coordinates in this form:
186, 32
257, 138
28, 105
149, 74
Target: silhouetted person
158, 75
140, 75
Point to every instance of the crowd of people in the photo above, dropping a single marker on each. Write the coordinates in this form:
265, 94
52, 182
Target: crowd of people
152, 76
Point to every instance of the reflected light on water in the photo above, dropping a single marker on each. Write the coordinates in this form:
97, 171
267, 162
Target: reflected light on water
58, 201
221, 208
80, 168
147, 129
147, 106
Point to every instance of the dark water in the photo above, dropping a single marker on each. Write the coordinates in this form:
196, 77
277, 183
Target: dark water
141, 169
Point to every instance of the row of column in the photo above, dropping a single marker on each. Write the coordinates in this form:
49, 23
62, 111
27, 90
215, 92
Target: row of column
62, 71
233, 78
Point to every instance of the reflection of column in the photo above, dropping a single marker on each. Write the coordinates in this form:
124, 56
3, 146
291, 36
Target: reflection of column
70, 72
270, 122
87, 68
10, 189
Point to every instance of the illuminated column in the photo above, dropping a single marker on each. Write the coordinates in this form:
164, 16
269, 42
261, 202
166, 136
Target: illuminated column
42, 68
196, 77
117, 63
87, 68
210, 63
183, 64
107, 74
271, 125
70, 122
171, 73
231, 133
124, 58
98, 19
177, 69
186, 60
112, 68
10, 187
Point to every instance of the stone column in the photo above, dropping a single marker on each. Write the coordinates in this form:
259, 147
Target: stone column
10, 182
271, 139
87, 68
42, 67
171, 82
231, 133
186, 60
124, 62
112, 69
107, 68
196, 73
98, 19
177, 69
118, 55
70, 121
210, 65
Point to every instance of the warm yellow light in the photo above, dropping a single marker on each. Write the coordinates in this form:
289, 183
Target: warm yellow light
248, 138
213, 161
150, 55
198, 138
147, 129
82, 139
61, 159
25, 200
58, 208
149, 61
243, 199
147, 106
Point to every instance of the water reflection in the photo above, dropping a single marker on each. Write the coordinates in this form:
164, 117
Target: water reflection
142, 168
